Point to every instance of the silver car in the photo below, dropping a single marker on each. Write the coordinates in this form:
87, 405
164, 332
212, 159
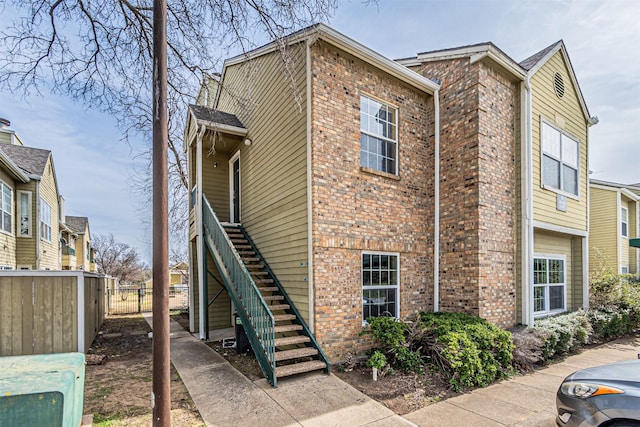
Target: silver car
604, 396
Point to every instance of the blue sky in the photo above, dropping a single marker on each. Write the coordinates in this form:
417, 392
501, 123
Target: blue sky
94, 166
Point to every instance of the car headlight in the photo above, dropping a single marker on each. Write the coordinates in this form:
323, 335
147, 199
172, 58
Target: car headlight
584, 390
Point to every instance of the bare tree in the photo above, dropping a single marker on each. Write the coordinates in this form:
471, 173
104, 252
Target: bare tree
100, 53
117, 259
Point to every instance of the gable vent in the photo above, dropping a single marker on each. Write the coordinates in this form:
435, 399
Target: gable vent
558, 84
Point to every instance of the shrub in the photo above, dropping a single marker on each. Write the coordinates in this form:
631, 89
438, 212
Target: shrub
377, 360
474, 351
610, 323
390, 334
528, 347
563, 333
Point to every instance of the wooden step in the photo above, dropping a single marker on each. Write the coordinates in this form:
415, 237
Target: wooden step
256, 281
295, 339
276, 307
288, 328
281, 317
296, 353
299, 368
254, 265
268, 289
259, 273
242, 247
237, 241
273, 297
243, 253
247, 259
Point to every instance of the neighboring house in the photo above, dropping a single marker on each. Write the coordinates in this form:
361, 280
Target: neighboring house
359, 186
11, 176
81, 235
614, 227
178, 275
36, 205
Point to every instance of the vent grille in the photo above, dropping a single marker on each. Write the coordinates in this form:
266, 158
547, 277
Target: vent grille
558, 84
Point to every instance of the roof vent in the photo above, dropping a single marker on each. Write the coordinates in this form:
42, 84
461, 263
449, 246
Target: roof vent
558, 84
4, 123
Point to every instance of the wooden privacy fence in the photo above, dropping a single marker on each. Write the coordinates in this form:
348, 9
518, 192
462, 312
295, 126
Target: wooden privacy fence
50, 311
122, 300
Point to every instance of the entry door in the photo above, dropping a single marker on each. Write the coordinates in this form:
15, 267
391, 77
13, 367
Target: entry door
234, 190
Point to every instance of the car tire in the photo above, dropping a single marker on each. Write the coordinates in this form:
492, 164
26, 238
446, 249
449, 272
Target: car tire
625, 424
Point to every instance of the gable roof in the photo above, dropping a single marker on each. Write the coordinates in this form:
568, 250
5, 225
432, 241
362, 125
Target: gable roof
13, 169
339, 40
533, 63
476, 52
77, 223
31, 160
631, 190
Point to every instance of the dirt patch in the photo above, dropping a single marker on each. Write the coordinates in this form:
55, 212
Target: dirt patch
118, 382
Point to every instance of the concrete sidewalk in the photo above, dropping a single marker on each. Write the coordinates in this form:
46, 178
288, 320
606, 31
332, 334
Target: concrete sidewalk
528, 400
225, 397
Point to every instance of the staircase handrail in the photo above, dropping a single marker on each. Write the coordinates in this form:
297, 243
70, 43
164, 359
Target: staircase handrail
288, 300
257, 319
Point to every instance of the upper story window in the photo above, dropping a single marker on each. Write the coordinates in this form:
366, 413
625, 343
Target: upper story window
624, 222
24, 213
378, 135
45, 220
560, 165
6, 203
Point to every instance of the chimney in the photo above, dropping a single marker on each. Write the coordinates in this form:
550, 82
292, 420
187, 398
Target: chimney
4, 123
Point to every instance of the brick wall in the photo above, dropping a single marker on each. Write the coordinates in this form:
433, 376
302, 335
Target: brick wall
477, 200
354, 210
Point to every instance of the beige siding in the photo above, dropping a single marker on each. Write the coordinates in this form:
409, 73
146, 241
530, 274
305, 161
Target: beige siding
273, 168
566, 114
8, 240
49, 253
220, 309
633, 233
603, 230
26, 246
547, 243
215, 183
5, 138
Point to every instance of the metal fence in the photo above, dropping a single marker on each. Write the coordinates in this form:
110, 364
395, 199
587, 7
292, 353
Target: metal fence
134, 300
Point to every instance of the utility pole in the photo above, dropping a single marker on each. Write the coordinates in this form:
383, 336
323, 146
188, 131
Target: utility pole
161, 397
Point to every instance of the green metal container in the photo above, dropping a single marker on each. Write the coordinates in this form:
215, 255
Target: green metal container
42, 390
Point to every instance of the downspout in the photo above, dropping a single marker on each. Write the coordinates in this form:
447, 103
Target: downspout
310, 282
202, 303
37, 225
527, 207
436, 215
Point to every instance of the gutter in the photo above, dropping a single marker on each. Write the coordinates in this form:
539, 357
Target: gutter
526, 183
436, 230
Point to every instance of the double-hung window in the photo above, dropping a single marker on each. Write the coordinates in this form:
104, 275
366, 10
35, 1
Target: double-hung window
549, 284
624, 222
380, 285
45, 220
6, 204
560, 154
378, 136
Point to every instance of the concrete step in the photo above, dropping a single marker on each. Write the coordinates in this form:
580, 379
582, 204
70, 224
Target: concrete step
288, 328
296, 339
296, 353
299, 368
282, 317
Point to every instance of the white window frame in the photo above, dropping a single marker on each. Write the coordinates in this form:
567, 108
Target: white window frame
21, 214
547, 285
4, 185
624, 221
45, 227
365, 131
396, 315
562, 134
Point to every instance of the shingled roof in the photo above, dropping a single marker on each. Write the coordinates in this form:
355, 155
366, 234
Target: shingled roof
215, 116
77, 223
29, 159
531, 61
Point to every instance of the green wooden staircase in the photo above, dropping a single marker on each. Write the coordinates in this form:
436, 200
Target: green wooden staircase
279, 337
